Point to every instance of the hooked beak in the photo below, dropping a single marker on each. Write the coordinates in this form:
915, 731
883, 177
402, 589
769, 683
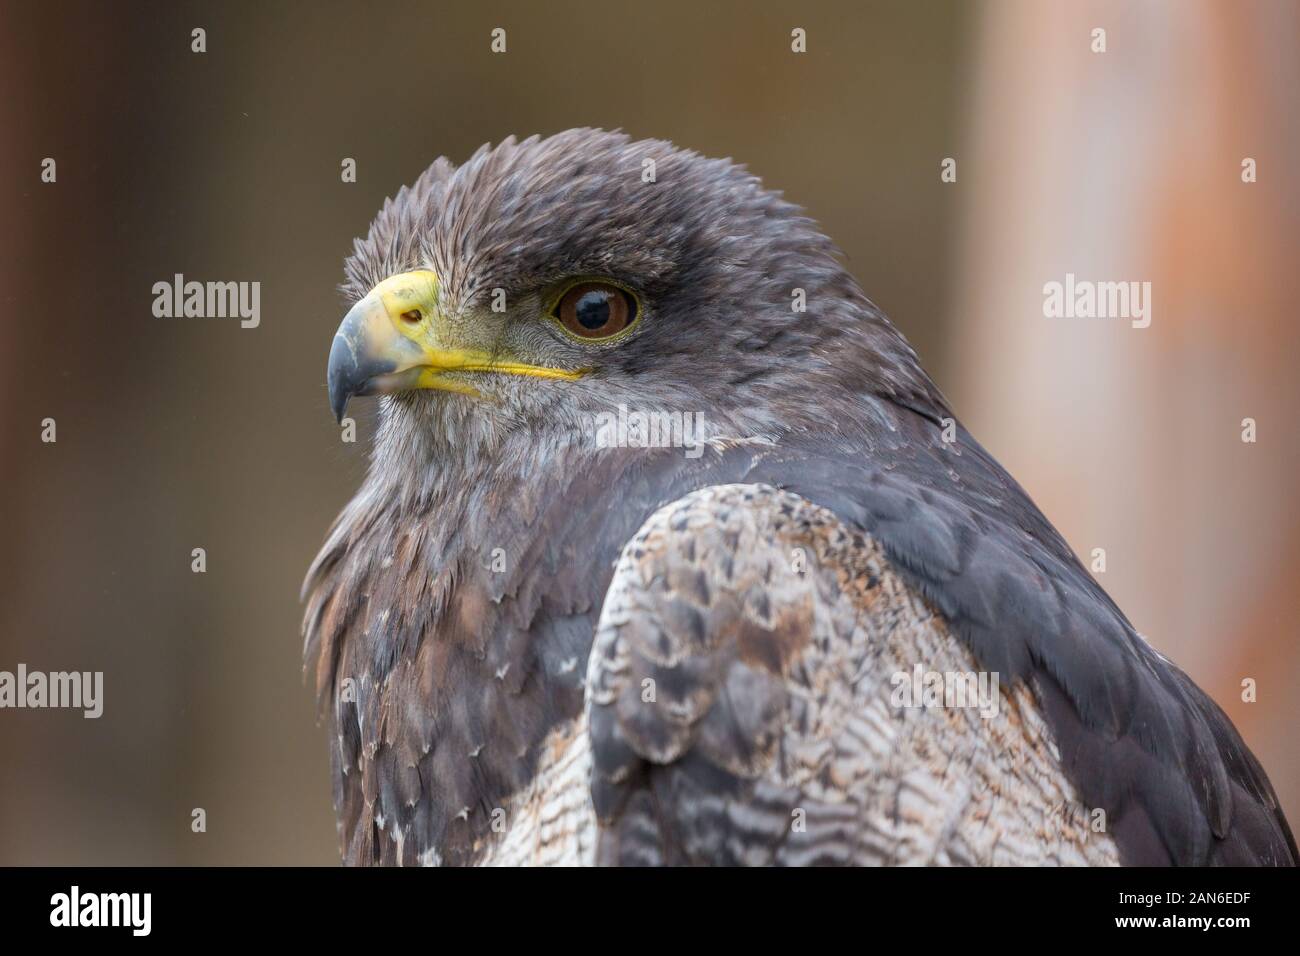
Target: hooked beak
395, 339
366, 355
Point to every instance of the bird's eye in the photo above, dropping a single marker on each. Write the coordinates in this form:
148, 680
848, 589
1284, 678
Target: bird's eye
412, 316
596, 310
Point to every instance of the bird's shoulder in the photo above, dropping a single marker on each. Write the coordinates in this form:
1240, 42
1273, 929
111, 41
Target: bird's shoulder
745, 704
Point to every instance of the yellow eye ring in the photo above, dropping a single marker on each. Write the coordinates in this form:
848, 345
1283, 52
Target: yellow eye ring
595, 311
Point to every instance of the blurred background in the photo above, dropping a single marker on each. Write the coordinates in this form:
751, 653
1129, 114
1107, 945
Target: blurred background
182, 433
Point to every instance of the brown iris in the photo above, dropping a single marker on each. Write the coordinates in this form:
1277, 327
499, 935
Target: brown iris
596, 310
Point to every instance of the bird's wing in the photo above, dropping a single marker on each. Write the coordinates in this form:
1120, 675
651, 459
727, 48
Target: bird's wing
1137, 737
757, 694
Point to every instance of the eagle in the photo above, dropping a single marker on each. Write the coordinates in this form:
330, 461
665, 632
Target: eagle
670, 553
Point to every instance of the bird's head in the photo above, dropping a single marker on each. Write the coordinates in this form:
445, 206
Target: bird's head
551, 279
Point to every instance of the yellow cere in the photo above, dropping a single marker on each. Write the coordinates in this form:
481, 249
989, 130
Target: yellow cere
419, 290
407, 291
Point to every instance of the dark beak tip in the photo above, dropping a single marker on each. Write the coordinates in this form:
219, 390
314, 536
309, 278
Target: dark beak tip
340, 376
340, 390
353, 366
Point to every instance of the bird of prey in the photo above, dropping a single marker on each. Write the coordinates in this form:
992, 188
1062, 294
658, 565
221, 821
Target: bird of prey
542, 634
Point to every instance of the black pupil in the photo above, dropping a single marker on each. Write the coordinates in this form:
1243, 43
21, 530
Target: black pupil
592, 310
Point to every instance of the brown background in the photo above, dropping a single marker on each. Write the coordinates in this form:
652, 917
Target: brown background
183, 433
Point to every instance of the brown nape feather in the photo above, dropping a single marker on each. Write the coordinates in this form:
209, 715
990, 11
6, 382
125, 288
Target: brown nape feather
451, 613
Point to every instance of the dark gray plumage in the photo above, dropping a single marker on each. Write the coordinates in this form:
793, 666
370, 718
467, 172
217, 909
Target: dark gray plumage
452, 609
